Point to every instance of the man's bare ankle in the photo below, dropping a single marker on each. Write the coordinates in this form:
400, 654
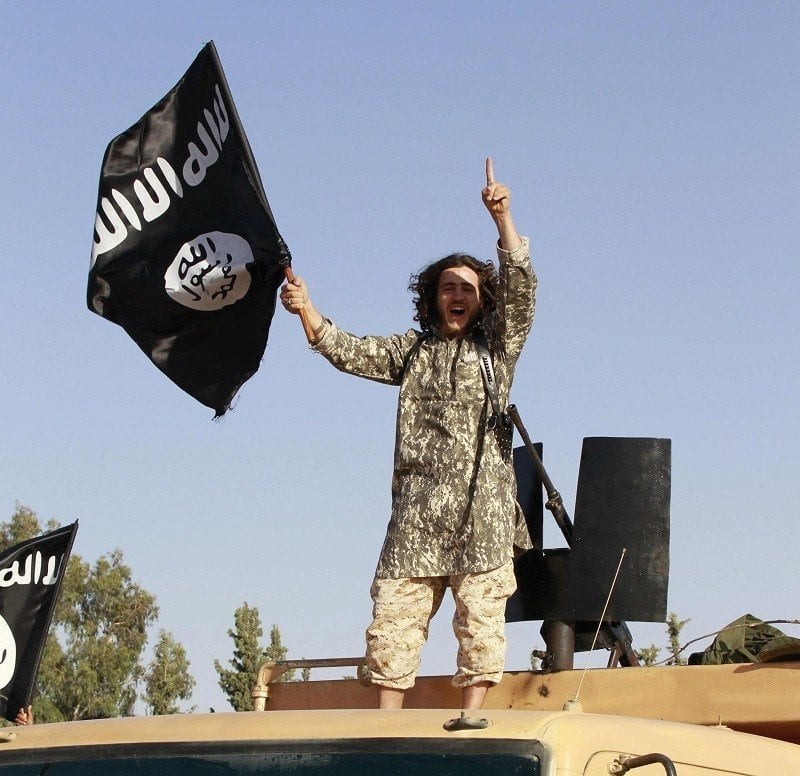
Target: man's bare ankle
389, 698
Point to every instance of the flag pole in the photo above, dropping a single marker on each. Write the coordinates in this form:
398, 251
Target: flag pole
252, 167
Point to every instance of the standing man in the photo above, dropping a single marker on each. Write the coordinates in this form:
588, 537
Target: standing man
455, 520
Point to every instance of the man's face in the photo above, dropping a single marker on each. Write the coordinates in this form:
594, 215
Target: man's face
458, 300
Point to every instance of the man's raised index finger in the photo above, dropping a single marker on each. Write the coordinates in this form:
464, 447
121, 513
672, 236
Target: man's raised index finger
489, 171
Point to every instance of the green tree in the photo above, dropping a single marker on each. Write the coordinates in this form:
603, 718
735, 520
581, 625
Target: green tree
277, 651
237, 682
91, 663
24, 525
649, 655
168, 679
99, 667
674, 628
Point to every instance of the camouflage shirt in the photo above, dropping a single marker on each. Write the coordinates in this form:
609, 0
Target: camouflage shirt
453, 490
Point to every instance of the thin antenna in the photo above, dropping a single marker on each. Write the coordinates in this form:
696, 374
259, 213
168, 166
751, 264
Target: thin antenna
576, 706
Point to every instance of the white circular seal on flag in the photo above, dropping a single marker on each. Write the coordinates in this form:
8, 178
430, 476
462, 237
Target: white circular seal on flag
210, 271
8, 653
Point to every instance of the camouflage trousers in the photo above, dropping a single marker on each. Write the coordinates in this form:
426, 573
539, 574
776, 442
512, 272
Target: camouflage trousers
402, 611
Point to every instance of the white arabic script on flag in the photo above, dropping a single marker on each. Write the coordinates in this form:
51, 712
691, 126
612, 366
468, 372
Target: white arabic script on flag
111, 230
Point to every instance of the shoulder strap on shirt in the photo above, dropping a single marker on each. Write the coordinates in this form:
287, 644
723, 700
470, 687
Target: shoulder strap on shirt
489, 381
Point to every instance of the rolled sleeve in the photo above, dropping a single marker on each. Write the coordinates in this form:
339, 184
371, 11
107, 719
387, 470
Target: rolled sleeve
518, 257
327, 338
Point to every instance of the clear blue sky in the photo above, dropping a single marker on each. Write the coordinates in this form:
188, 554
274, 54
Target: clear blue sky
653, 154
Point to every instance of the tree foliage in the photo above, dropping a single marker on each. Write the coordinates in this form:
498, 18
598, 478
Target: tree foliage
96, 671
237, 682
674, 628
649, 655
277, 651
91, 665
168, 679
24, 525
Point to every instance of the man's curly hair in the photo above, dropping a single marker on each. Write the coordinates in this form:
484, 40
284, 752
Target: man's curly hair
425, 286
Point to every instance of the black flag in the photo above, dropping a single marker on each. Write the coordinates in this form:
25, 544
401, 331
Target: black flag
187, 257
30, 577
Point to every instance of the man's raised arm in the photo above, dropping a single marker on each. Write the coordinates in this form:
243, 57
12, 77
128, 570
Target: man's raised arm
497, 198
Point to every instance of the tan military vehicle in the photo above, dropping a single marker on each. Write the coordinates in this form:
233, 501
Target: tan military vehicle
685, 720
694, 720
